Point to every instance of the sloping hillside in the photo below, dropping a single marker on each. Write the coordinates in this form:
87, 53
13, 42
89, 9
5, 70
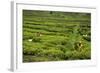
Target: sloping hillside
56, 36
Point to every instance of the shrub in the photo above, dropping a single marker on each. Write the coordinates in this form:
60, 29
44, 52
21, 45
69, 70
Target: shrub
84, 54
76, 55
68, 55
36, 39
88, 38
62, 48
55, 53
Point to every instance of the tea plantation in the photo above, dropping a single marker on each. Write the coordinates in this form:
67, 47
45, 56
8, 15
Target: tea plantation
56, 36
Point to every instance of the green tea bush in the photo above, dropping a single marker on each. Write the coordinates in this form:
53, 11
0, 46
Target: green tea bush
33, 51
47, 44
55, 53
85, 53
62, 48
68, 55
64, 42
75, 55
88, 38
36, 39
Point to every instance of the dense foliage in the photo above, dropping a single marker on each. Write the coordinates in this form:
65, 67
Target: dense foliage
56, 36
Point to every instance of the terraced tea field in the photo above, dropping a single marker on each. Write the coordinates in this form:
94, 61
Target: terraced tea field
56, 36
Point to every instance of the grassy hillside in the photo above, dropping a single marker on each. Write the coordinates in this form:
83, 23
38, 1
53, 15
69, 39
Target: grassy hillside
56, 36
